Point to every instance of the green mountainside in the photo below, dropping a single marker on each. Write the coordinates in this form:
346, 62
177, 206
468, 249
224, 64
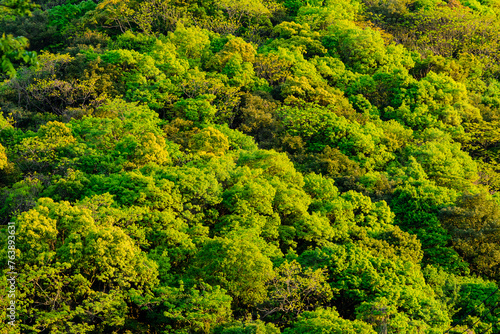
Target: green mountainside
251, 166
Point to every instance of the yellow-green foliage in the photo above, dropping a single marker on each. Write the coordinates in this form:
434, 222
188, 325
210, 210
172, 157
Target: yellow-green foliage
256, 166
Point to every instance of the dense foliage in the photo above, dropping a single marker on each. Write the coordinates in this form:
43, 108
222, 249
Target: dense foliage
251, 166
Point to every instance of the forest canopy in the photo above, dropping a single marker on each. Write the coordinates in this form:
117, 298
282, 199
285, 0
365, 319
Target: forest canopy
252, 166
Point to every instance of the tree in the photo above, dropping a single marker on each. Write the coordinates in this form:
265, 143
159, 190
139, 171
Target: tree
198, 309
359, 278
327, 321
444, 161
417, 207
294, 290
83, 272
248, 327
474, 225
237, 263
14, 48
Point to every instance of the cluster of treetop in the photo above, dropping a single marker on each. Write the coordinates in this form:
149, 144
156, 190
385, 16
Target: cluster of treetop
251, 166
